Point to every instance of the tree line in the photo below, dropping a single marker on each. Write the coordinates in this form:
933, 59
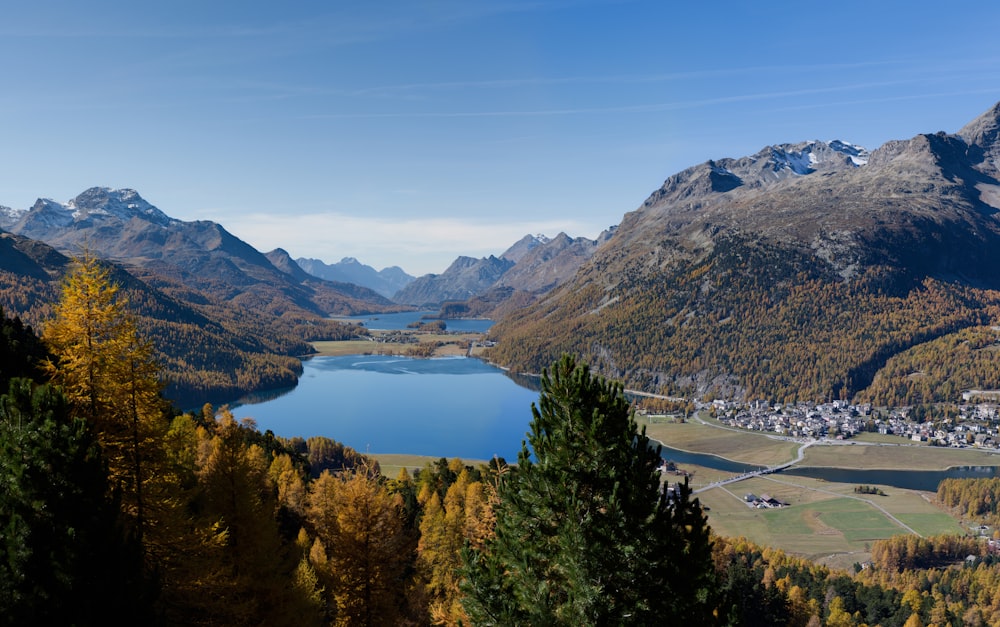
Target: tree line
118, 509
756, 321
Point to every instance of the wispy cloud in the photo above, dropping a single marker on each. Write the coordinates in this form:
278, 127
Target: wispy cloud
419, 246
627, 108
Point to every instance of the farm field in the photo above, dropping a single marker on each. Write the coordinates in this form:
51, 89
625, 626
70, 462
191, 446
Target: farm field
741, 446
897, 457
826, 522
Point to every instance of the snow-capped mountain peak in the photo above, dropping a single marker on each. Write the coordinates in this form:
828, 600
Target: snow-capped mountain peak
804, 158
857, 154
9, 216
123, 204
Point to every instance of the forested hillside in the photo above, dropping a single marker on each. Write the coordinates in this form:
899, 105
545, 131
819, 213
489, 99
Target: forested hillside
208, 350
752, 320
118, 510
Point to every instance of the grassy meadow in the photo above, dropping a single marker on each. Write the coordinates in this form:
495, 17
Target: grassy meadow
444, 345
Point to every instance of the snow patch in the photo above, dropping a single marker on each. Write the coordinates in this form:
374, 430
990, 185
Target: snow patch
858, 155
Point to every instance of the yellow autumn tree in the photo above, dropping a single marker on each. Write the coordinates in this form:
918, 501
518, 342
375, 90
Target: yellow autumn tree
363, 550
107, 371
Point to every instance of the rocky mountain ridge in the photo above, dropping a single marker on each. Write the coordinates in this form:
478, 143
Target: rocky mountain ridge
532, 266
703, 286
224, 317
120, 225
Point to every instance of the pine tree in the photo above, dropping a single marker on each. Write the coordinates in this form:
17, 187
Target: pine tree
585, 534
63, 557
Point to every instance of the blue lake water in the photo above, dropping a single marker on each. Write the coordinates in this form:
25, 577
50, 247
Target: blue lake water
462, 407
397, 321
451, 407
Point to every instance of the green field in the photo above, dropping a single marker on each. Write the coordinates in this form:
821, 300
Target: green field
391, 463
741, 446
826, 522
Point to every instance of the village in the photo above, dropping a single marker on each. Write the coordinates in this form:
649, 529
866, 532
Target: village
973, 425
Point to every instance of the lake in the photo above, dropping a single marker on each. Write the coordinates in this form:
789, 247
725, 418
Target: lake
449, 407
464, 407
401, 320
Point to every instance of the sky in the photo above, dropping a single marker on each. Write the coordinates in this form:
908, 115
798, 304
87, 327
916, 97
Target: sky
409, 132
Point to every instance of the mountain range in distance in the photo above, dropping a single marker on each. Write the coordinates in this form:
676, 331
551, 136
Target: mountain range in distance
805, 271
227, 319
121, 225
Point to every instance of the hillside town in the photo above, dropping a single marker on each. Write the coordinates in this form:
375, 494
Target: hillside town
974, 424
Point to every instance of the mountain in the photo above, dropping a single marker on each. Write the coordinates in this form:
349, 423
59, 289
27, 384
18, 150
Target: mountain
464, 278
549, 263
208, 352
386, 282
202, 255
523, 246
805, 270
225, 318
531, 266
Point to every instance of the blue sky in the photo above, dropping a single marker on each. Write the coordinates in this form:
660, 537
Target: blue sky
408, 132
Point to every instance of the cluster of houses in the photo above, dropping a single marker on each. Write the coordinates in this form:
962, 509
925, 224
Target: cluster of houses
975, 425
395, 337
763, 501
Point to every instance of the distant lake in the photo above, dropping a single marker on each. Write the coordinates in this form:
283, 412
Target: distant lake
450, 407
397, 321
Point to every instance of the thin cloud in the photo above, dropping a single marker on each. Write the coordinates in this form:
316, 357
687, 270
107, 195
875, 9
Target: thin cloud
419, 246
635, 108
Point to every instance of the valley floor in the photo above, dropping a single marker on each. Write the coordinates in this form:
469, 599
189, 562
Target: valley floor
825, 521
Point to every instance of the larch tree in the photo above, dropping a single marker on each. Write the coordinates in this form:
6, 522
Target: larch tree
367, 550
107, 371
585, 533
253, 576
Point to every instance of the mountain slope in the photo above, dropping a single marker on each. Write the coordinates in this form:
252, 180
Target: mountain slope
550, 263
224, 319
798, 272
203, 255
464, 278
489, 286
207, 352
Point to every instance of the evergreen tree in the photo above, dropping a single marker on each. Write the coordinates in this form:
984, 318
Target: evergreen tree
585, 534
63, 557
21, 351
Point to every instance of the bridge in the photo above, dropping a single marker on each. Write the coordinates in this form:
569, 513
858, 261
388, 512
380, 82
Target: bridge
757, 473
